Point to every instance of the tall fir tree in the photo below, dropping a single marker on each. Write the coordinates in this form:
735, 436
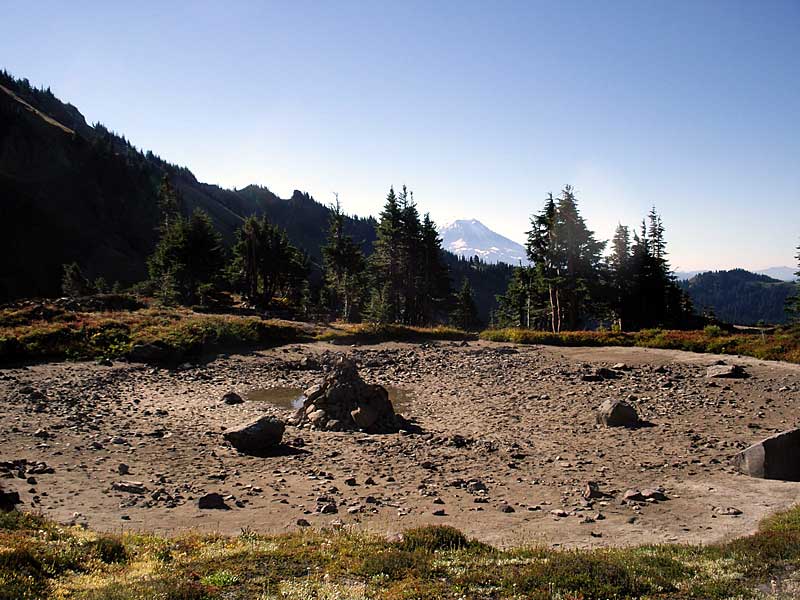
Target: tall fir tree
465, 313
434, 282
189, 253
384, 264
566, 261
266, 265
344, 267
793, 307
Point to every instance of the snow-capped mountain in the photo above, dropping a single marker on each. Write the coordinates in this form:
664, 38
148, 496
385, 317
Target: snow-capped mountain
471, 237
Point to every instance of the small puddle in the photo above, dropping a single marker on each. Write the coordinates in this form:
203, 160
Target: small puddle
292, 398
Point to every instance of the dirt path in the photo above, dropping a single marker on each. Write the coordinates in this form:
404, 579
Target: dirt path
515, 420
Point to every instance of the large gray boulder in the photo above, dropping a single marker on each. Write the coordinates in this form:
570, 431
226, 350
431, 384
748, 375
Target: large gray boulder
257, 435
617, 413
776, 457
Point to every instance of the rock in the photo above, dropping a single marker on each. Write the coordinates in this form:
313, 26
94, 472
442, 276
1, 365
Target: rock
776, 457
726, 372
328, 508
318, 418
123, 469
606, 373
314, 392
656, 494
8, 500
506, 508
232, 398
156, 352
212, 501
439, 512
131, 487
728, 511
257, 435
632, 496
559, 513
302, 523
364, 416
345, 402
592, 491
617, 413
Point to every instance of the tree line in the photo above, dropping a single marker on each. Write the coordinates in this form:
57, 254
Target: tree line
571, 282
571, 285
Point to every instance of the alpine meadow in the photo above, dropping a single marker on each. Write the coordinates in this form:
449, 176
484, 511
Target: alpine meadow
382, 302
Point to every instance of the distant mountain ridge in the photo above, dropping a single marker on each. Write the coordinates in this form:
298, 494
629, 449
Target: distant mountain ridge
740, 297
470, 237
779, 273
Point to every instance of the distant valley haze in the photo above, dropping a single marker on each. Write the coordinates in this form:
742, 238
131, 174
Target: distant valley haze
699, 121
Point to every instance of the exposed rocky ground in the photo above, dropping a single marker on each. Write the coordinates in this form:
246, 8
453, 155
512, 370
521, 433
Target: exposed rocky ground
509, 449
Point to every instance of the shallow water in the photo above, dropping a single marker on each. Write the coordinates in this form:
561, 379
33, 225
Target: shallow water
292, 398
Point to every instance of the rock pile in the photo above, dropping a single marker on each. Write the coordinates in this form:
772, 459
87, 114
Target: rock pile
345, 402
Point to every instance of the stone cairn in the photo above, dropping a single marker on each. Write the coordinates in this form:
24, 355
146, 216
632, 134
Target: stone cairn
345, 402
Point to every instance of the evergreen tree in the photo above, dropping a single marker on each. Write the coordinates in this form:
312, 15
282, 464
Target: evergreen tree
169, 202
566, 263
344, 267
189, 253
385, 263
265, 264
465, 313
73, 282
619, 274
793, 306
410, 255
434, 279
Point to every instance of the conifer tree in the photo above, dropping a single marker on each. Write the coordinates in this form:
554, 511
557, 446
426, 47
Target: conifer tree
384, 263
566, 260
344, 266
73, 282
265, 264
434, 282
189, 253
793, 307
465, 313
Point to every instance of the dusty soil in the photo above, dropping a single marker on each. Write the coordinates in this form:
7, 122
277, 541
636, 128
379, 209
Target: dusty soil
519, 420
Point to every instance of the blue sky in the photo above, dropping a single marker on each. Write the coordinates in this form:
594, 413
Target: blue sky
480, 107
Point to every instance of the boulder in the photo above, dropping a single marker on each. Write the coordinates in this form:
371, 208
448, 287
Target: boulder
726, 372
153, 353
212, 501
9, 500
232, 398
776, 457
617, 413
257, 435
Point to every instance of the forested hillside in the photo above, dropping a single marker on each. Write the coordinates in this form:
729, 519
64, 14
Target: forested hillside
76, 193
740, 297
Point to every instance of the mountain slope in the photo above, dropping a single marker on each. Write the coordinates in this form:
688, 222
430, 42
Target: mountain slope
740, 297
470, 238
71, 192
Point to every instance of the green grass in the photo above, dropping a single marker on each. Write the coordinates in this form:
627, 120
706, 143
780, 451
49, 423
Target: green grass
39, 559
783, 344
46, 332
